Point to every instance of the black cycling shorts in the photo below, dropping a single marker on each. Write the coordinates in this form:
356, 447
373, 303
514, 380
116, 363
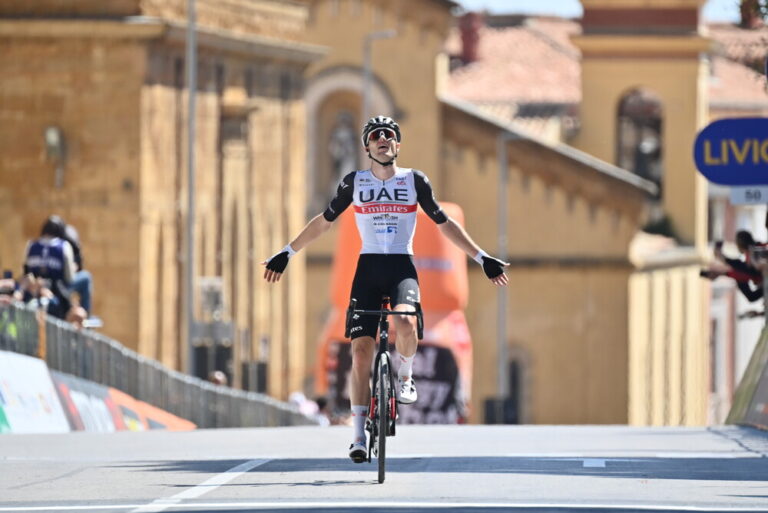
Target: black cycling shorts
378, 276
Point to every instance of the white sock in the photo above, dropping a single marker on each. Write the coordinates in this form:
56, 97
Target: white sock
359, 414
406, 366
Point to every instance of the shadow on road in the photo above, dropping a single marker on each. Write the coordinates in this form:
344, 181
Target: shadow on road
704, 469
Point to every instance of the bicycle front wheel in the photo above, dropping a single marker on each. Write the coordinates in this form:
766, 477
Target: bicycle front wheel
382, 404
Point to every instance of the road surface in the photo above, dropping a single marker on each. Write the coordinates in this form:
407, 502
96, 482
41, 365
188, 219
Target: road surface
431, 468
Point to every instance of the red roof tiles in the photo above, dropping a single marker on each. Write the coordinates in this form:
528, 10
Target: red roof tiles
527, 63
535, 62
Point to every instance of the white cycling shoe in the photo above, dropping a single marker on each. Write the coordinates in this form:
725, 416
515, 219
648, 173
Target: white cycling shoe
358, 452
406, 390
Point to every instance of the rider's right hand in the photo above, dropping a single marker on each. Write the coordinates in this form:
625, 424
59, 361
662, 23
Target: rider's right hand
277, 263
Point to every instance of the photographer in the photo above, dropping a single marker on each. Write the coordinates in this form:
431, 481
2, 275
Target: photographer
744, 272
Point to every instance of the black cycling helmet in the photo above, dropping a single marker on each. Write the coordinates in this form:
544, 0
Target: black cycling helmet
379, 122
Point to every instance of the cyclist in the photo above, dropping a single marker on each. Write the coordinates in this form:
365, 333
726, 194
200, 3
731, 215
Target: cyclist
384, 199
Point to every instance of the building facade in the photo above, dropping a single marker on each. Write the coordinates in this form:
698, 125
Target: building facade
111, 78
571, 217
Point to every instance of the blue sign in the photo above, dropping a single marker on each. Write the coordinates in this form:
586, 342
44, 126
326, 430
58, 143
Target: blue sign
734, 151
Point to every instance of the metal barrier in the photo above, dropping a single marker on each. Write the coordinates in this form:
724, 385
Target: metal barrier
95, 357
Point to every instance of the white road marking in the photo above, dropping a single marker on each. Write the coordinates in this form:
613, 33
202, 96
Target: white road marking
201, 489
330, 505
601, 455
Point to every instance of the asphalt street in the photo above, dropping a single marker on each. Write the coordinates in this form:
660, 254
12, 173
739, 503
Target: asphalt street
430, 468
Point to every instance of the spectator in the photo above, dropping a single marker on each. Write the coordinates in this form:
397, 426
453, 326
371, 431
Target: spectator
82, 282
9, 332
49, 270
9, 291
218, 377
744, 272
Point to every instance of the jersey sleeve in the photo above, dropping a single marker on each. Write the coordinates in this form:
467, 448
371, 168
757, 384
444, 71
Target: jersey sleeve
426, 198
343, 198
69, 262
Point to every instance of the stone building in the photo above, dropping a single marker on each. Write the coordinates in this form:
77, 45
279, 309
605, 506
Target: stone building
635, 93
571, 216
590, 326
110, 76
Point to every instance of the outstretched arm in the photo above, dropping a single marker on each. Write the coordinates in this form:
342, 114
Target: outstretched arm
316, 227
492, 267
459, 236
276, 264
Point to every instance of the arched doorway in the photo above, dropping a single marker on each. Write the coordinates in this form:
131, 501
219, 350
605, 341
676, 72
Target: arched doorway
334, 104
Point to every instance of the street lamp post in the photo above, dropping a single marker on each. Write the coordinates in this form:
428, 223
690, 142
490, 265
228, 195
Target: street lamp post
367, 73
191, 91
502, 370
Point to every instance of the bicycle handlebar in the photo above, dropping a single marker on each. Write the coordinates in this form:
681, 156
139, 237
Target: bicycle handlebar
384, 312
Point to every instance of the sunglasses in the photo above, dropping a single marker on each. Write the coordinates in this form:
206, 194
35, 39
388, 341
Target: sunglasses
387, 133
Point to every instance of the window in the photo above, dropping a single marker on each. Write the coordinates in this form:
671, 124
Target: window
639, 135
248, 82
220, 77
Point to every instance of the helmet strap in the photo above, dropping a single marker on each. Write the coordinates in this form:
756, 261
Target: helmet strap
383, 163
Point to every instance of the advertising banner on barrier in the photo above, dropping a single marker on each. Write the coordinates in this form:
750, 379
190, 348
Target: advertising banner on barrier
88, 405
4, 426
98, 408
28, 399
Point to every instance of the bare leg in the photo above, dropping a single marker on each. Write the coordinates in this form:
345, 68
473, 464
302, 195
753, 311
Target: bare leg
360, 377
405, 325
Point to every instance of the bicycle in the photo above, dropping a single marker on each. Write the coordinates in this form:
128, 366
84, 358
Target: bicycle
382, 412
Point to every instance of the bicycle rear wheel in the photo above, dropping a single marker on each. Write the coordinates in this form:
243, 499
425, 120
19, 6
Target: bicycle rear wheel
382, 400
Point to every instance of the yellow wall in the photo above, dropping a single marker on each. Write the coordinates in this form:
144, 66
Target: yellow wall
567, 298
570, 225
669, 346
610, 69
117, 91
404, 63
668, 330
43, 88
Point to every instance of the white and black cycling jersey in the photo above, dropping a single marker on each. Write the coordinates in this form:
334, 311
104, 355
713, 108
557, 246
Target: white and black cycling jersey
385, 210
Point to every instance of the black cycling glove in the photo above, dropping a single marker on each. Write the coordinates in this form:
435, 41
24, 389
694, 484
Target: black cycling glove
279, 261
492, 267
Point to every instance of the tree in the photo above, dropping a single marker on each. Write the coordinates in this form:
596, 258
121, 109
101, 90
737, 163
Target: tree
752, 10
762, 6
